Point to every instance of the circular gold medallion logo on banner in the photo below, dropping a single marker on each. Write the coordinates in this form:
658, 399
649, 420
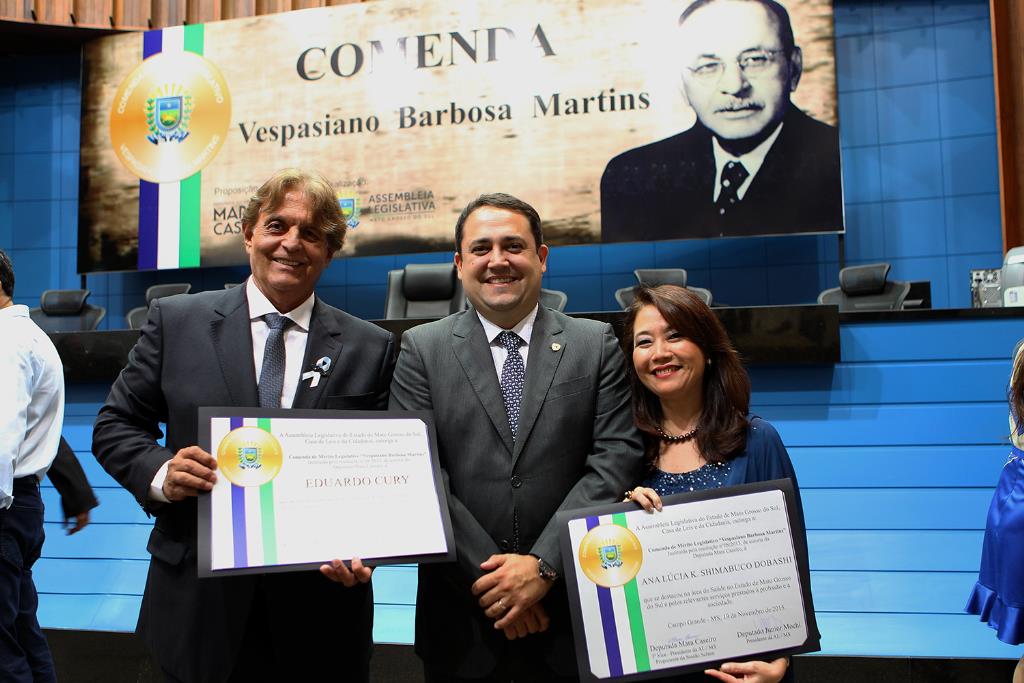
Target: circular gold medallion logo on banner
249, 456
611, 555
170, 116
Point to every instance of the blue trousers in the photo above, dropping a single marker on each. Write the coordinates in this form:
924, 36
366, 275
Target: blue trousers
24, 654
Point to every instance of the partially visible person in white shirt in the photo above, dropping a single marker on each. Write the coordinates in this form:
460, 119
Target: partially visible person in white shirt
31, 417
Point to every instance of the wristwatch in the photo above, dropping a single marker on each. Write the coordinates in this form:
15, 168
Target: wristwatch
547, 572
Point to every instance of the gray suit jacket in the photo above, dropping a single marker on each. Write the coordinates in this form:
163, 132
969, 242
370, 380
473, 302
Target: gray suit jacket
577, 446
196, 350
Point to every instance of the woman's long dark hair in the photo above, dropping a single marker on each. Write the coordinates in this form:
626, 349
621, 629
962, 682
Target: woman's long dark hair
722, 427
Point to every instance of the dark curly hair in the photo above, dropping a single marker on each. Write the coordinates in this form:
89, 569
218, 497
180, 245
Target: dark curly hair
722, 427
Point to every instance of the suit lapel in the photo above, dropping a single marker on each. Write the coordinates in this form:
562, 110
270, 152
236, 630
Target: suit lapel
325, 339
703, 170
775, 177
474, 355
232, 340
542, 362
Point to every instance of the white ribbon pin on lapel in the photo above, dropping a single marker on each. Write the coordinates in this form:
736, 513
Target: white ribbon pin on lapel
320, 369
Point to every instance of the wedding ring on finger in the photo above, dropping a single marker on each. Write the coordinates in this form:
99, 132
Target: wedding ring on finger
501, 604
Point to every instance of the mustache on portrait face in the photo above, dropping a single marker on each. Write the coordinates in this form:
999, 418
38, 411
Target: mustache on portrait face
740, 105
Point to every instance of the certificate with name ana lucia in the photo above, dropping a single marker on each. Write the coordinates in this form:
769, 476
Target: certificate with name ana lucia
718, 575
297, 488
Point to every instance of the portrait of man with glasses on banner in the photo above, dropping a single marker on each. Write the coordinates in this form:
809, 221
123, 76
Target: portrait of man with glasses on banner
753, 163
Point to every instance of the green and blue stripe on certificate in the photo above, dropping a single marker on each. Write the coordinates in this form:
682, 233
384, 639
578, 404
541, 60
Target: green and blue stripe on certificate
251, 538
613, 618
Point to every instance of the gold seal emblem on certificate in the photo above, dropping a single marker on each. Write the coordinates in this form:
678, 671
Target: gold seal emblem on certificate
611, 555
249, 456
170, 116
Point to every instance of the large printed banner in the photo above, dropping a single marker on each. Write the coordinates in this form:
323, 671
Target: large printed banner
412, 110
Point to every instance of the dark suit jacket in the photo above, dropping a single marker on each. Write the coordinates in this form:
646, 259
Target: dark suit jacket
665, 190
576, 447
196, 350
67, 476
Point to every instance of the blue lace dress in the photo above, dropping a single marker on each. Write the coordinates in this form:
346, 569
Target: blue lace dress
764, 459
710, 476
998, 596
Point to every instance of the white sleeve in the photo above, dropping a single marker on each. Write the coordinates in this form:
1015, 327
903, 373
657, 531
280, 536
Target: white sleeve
15, 395
156, 489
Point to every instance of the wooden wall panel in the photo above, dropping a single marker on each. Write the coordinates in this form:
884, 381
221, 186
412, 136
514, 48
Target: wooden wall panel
145, 14
55, 12
166, 13
1008, 61
93, 13
131, 14
236, 9
272, 6
16, 10
203, 11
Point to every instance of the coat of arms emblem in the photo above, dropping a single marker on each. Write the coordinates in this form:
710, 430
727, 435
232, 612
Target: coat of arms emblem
349, 210
168, 114
249, 458
611, 556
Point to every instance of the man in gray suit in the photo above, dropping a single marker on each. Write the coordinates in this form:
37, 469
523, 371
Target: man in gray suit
532, 416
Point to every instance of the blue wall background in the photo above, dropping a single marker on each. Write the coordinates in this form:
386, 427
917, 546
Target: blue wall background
897, 447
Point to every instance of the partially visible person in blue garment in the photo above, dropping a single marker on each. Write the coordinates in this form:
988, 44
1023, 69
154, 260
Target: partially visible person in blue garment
998, 596
691, 399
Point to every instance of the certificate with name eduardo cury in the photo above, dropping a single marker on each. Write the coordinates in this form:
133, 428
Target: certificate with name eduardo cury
297, 488
716, 576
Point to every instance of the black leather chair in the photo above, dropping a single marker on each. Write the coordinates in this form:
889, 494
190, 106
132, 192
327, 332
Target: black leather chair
137, 316
549, 298
553, 298
866, 288
65, 310
653, 277
423, 290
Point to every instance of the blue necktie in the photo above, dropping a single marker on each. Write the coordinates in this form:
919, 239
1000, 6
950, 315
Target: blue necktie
513, 374
272, 373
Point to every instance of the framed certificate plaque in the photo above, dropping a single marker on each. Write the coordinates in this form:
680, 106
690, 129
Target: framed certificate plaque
717, 575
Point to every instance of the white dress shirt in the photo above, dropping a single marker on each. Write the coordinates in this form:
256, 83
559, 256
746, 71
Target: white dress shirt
752, 161
295, 337
524, 328
31, 400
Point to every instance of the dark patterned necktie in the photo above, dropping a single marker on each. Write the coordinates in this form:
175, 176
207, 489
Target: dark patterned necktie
272, 374
513, 374
733, 176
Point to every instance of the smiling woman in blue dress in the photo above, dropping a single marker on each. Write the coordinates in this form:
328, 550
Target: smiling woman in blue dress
998, 596
691, 399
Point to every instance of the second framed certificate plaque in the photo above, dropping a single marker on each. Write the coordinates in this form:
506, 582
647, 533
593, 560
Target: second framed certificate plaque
715, 576
297, 488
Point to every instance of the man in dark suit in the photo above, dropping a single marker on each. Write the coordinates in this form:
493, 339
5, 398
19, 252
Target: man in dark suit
247, 346
753, 163
532, 415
